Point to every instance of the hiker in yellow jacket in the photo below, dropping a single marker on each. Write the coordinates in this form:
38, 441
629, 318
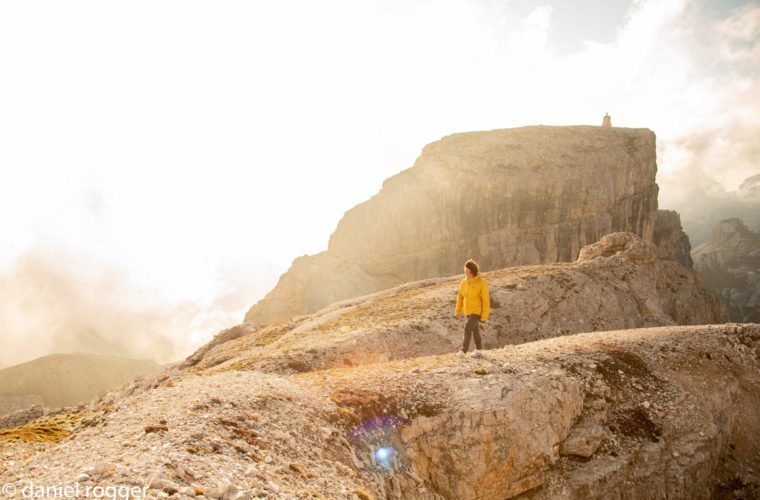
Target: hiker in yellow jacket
473, 299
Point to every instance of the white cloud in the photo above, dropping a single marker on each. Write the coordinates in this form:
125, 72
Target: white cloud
707, 159
739, 34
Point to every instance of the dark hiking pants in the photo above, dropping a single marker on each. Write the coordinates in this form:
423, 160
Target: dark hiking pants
471, 329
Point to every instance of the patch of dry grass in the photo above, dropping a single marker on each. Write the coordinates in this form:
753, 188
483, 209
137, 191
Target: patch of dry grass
271, 344
42, 431
362, 494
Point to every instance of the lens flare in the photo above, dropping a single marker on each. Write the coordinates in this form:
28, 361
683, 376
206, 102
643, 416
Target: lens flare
386, 424
379, 443
384, 456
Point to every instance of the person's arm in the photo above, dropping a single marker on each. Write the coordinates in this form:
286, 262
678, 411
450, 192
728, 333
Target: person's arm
485, 302
460, 301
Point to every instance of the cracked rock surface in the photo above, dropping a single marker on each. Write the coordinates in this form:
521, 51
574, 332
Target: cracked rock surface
642, 413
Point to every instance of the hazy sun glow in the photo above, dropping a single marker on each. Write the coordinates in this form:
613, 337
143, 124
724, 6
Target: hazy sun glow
163, 162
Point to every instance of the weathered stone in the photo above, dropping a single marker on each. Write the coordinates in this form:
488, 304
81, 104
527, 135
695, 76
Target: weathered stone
164, 485
101, 468
502, 446
186, 491
584, 439
229, 491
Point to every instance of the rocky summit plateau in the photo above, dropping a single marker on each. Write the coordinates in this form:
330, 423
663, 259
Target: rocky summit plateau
507, 197
365, 399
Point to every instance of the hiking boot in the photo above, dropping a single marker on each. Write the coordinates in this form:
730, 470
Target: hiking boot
461, 354
476, 354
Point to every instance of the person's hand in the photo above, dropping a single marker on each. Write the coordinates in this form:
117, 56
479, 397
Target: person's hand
456, 315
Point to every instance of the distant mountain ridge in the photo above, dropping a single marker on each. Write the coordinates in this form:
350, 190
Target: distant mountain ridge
729, 262
66, 379
701, 211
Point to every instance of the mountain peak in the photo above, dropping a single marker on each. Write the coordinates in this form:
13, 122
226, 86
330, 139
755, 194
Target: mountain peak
730, 233
503, 197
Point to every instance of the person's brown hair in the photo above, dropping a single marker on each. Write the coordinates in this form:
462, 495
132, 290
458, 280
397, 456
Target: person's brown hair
472, 266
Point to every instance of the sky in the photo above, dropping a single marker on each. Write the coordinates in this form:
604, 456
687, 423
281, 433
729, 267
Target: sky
163, 162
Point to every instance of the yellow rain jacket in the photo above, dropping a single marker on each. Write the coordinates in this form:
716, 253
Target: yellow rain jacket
473, 297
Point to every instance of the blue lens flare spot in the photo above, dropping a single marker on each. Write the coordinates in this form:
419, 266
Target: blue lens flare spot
384, 456
386, 424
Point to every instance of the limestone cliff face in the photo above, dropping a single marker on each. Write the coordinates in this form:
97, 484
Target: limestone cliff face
729, 262
672, 242
505, 197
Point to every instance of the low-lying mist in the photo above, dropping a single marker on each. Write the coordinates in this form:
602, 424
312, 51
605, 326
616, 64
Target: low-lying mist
711, 176
55, 300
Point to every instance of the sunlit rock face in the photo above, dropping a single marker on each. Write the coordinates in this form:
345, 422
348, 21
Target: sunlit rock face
672, 242
506, 197
729, 262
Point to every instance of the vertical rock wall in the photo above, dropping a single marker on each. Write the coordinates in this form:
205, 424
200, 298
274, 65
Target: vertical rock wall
672, 242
